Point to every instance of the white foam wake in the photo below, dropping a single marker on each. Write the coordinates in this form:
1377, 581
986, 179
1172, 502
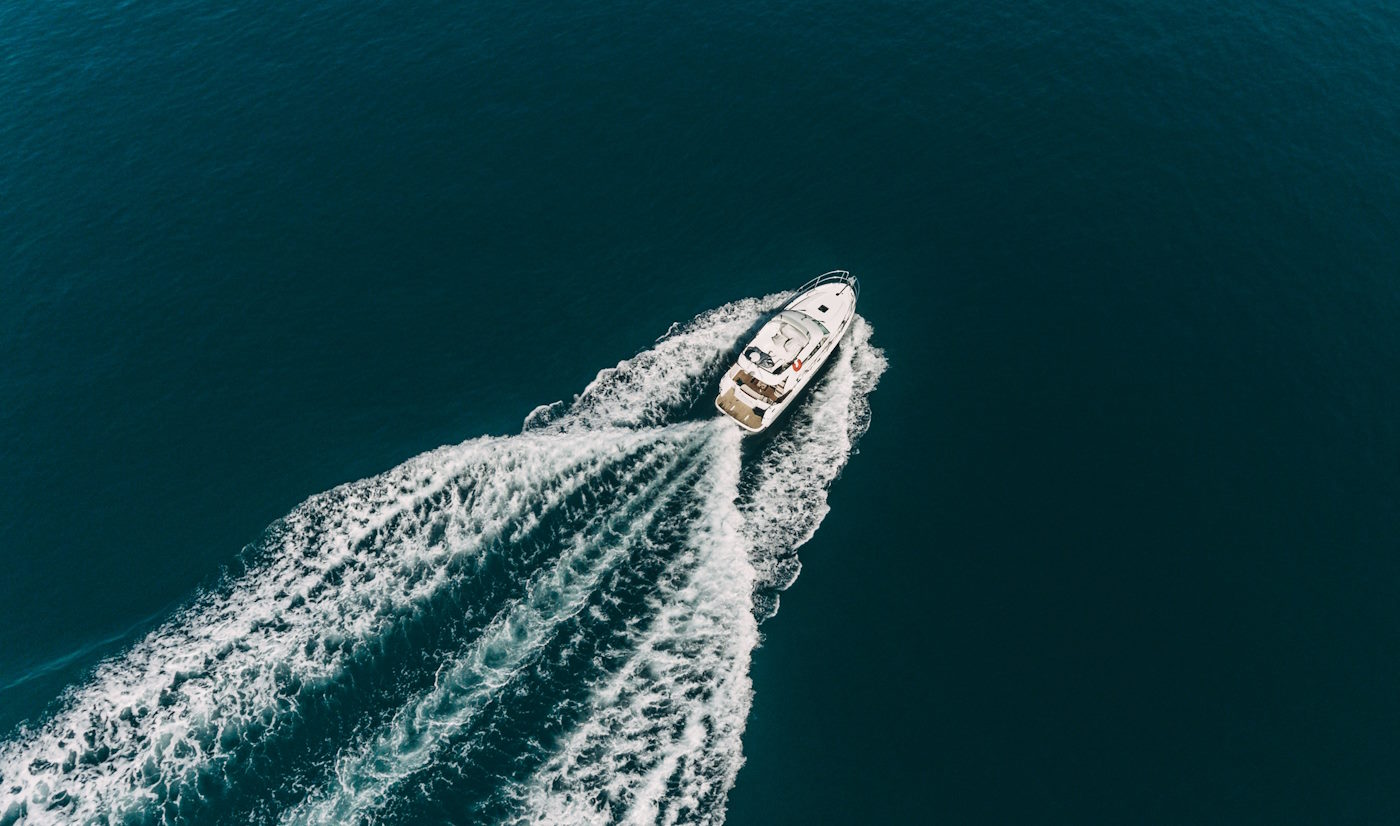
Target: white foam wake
384, 630
341, 572
661, 742
364, 777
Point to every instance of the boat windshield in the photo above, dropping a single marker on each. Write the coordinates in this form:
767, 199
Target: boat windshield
760, 358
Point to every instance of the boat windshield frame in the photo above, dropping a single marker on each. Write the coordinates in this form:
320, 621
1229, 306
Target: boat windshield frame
765, 360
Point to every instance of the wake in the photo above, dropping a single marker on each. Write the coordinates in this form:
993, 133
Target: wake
552, 627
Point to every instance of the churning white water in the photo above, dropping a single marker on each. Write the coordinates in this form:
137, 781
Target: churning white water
551, 627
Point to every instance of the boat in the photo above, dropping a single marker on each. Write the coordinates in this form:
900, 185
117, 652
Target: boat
790, 348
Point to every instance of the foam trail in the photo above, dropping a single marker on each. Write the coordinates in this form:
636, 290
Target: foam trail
662, 740
340, 574
363, 778
549, 627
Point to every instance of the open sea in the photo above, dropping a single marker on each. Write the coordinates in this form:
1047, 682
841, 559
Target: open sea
357, 462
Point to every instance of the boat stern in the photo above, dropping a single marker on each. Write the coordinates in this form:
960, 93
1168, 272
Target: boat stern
739, 407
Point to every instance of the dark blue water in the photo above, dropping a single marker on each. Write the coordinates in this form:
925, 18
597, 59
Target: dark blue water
1119, 544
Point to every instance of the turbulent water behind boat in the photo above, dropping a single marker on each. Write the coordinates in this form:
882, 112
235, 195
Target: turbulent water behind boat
552, 627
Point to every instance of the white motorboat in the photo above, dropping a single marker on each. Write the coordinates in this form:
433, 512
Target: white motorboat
788, 351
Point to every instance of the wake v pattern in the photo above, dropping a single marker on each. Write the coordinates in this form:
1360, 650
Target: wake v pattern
550, 627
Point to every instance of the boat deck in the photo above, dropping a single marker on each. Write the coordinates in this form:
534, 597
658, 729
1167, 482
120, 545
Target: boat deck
740, 411
763, 389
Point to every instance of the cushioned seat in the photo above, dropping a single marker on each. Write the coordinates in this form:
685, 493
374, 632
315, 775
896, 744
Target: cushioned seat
788, 341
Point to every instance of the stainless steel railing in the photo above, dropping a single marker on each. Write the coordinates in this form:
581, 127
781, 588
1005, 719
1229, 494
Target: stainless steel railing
833, 276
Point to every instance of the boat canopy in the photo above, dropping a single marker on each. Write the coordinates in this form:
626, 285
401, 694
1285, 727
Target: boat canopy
785, 336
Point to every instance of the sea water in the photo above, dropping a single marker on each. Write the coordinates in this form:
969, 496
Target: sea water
324, 500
